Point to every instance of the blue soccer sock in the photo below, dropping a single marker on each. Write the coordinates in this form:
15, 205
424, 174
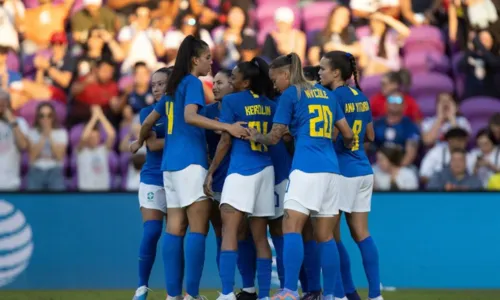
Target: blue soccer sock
147, 251
264, 270
218, 240
303, 279
330, 265
195, 260
312, 266
227, 270
369, 253
278, 247
247, 259
173, 261
293, 256
345, 269
339, 288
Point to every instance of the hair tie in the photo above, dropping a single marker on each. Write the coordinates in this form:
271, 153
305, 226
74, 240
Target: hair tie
349, 55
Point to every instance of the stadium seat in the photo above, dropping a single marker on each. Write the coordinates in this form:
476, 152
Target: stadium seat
424, 61
480, 107
315, 15
430, 84
370, 85
425, 38
427, 104
28, 111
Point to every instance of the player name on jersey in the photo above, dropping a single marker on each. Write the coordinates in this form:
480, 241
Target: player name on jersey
316, 93
357, 107
253, 110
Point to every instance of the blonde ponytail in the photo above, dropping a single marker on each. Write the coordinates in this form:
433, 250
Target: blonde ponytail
294, 65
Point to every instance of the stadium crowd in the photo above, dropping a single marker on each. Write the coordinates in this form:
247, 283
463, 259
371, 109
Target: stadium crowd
75, 73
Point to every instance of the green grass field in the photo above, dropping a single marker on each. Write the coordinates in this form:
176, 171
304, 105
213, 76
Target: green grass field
212, 295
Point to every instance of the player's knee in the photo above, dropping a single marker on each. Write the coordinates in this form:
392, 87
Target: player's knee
323, 235
293, 221
359, 234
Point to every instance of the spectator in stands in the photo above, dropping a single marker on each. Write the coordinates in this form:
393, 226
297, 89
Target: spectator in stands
393, 82
140, 94
284, 39
100, 45
338, 34
438, 157
140, 41
484, 161
481, 63
125, 9
389, 175
447, 116
380, 49
11, 16
93, 156
189, 26
233, 40
47, 152
96, 88
7, 77
136, 162
53, 73
91, 16
420, 12
13, 140
494, 127
364, 8
397, 129
42, 21
455, 177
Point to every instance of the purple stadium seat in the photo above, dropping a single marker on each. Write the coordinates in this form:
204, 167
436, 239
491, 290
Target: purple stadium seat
427, 104
13, 61
424, 61
480, 107
125, 81
28, 111
424, 38
282, 2
370, 85
315, 15
30, 3
430, 84
265, 18
76, 132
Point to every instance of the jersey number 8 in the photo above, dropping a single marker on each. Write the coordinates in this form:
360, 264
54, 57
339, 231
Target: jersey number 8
356, 130
262, 128
324, 115
169, 110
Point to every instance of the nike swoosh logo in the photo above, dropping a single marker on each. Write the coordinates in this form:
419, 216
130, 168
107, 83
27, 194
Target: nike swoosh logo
158, 124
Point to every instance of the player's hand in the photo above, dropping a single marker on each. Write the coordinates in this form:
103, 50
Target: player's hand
253, 134
237, 130
135, 146
207, 185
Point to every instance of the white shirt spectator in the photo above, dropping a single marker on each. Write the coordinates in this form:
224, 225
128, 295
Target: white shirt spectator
372, 5
46, 160
93, 169
428, 122
405, 180
370, 45
174, 38
435, 160
141, 48
483, 173
133, 178
10, 157
7, 26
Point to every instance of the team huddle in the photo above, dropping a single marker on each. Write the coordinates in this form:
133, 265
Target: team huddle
278, 153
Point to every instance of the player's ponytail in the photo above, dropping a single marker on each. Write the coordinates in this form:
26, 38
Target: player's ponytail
189, 48
257, 72
292, 63
346, 64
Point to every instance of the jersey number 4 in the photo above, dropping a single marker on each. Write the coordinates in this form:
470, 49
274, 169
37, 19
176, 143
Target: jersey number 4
261, 127
356, 130
321, 126
169, 111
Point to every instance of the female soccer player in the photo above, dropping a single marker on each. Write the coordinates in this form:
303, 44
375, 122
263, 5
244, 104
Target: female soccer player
313, 190
249, 185
151, 193
184, 165
336, 68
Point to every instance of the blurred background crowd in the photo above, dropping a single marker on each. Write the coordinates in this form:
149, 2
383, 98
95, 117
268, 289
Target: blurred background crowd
75, 73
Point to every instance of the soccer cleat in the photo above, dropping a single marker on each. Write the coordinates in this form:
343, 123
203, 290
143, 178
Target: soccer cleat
312, 296
244, 295
141, 293
226, 297
378, 298
199, 297
286, 294
174, 298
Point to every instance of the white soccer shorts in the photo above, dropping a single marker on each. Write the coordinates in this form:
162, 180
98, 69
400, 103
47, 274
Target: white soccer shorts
279, 199
152, 197
184, 187
356, 193
315, 194
253, 194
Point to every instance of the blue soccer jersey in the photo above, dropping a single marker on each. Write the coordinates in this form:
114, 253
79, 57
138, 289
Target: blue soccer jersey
151, 170
282, 162
311, 116
356, 107
186, 143
248, 158
212, 111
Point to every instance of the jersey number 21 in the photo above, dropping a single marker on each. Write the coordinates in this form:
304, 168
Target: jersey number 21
261, 127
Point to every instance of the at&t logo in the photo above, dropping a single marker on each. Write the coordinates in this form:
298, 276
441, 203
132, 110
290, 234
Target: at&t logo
16, 243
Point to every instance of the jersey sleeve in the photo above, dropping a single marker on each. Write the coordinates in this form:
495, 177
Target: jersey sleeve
284, 110
160, 108
339, 114
369, 114
194, 92
227, 113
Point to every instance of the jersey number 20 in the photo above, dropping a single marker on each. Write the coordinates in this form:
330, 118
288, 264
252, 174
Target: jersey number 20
261, 127
169, 111
325, 116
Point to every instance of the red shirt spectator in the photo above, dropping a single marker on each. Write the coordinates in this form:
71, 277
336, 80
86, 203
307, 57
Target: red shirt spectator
97, 93
411, 110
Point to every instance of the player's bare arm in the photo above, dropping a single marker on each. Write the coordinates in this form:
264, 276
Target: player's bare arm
272, 138
346, 132
222, 149
145, 131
